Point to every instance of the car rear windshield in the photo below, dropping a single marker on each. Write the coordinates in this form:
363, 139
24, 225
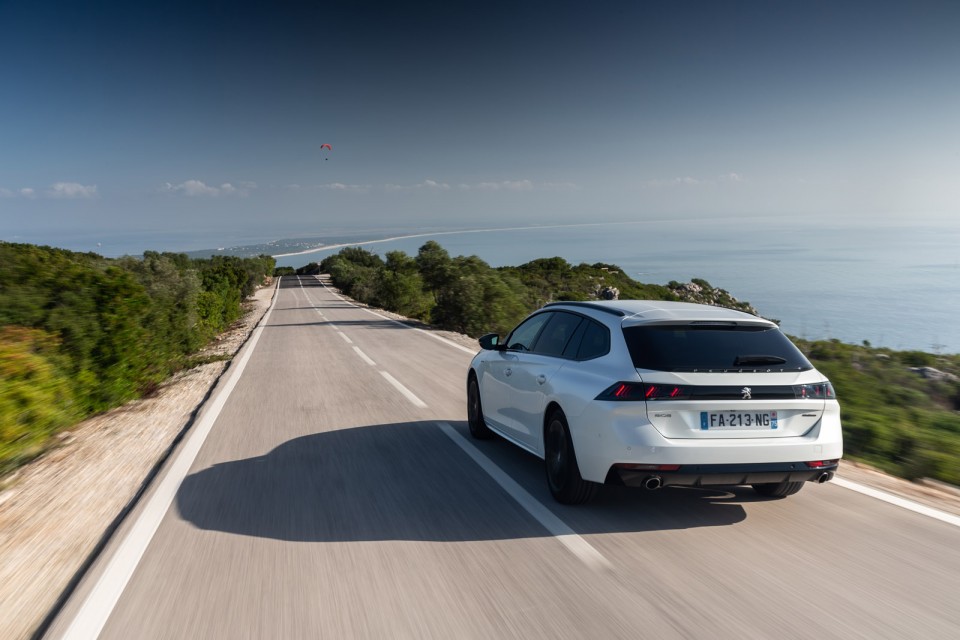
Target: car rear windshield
712, 348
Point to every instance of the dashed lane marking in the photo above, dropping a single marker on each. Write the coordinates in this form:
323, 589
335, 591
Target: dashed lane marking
414, 400
557, 527
365, 357
406, 326
426, 333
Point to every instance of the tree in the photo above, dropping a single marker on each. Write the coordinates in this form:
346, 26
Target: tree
436, 269
402, 289
477, 299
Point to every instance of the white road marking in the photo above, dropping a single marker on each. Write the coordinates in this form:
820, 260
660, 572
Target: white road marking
345, 337
365, 357
557, 527
417, 402
307, 296
406, 326
102, 599
910, 505
426, 333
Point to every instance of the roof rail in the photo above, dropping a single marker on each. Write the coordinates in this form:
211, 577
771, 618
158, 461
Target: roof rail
589, 305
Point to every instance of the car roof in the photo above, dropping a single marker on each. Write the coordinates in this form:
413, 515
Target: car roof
635, 312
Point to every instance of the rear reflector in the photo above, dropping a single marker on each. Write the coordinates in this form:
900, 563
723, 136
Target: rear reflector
647, 467
817, 464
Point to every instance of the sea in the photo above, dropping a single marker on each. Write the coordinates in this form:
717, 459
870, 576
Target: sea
891, 283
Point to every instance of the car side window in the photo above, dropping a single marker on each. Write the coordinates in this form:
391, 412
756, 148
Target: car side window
523, 337
556, 334
595, 342
573, 346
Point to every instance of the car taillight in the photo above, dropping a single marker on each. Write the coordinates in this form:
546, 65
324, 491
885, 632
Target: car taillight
622, 391
819, 391
817, 464
641, 391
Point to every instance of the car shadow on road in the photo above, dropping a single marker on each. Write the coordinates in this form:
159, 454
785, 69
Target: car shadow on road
409, 481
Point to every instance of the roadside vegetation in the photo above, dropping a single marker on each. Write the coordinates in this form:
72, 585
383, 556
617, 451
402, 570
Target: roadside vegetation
467, 295
80, 333
901, 410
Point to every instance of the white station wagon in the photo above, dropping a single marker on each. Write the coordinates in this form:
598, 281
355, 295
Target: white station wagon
650, 393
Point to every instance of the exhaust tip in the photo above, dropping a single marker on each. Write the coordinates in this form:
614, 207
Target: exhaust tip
824, 477
653, 483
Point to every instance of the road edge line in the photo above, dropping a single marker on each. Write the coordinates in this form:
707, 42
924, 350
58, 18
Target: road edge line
903, 503
403, 324
100, 602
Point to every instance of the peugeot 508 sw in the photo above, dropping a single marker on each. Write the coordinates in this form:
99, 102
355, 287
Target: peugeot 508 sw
656, 394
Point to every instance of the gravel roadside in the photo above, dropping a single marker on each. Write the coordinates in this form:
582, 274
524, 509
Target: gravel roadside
55, 511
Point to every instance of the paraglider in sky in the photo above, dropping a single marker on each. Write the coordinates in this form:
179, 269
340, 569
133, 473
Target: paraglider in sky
326, 147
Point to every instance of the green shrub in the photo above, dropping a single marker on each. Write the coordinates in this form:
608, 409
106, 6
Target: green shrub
36, 394
82, 333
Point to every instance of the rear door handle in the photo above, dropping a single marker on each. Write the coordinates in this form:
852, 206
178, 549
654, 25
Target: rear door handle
541, 378
508, 372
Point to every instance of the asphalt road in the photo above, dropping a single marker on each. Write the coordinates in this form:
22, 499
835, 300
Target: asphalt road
336, 494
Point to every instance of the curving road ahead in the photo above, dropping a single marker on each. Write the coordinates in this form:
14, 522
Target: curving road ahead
329, 489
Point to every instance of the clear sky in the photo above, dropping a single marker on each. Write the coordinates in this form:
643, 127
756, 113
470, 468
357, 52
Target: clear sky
205, 119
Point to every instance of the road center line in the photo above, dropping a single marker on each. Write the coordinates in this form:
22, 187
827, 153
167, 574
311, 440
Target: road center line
365, 357
345, 337
100, 602
557, 527
309, 301
910, 505
417, 402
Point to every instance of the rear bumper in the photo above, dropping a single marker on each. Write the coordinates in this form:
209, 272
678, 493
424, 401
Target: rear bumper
723, 474
602, 440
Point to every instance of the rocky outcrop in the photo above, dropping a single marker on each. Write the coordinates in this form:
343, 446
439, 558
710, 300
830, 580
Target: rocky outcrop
609, 293
935, 374
701, 292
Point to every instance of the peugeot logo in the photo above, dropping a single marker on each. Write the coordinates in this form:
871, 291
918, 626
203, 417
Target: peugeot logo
747, 393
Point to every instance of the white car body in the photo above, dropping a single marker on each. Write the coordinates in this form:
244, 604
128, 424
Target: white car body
755, 424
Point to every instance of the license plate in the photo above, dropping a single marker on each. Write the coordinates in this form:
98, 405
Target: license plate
710, 420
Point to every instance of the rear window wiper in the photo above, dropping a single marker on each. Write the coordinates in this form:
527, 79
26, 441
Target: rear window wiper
747, 360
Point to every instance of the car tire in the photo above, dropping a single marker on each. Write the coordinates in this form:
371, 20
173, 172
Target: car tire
478, 427
560, 460
778, 489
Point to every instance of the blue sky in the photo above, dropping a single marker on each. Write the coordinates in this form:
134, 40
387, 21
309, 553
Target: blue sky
183, 125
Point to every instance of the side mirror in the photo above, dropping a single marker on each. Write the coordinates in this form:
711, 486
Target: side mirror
490, 341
